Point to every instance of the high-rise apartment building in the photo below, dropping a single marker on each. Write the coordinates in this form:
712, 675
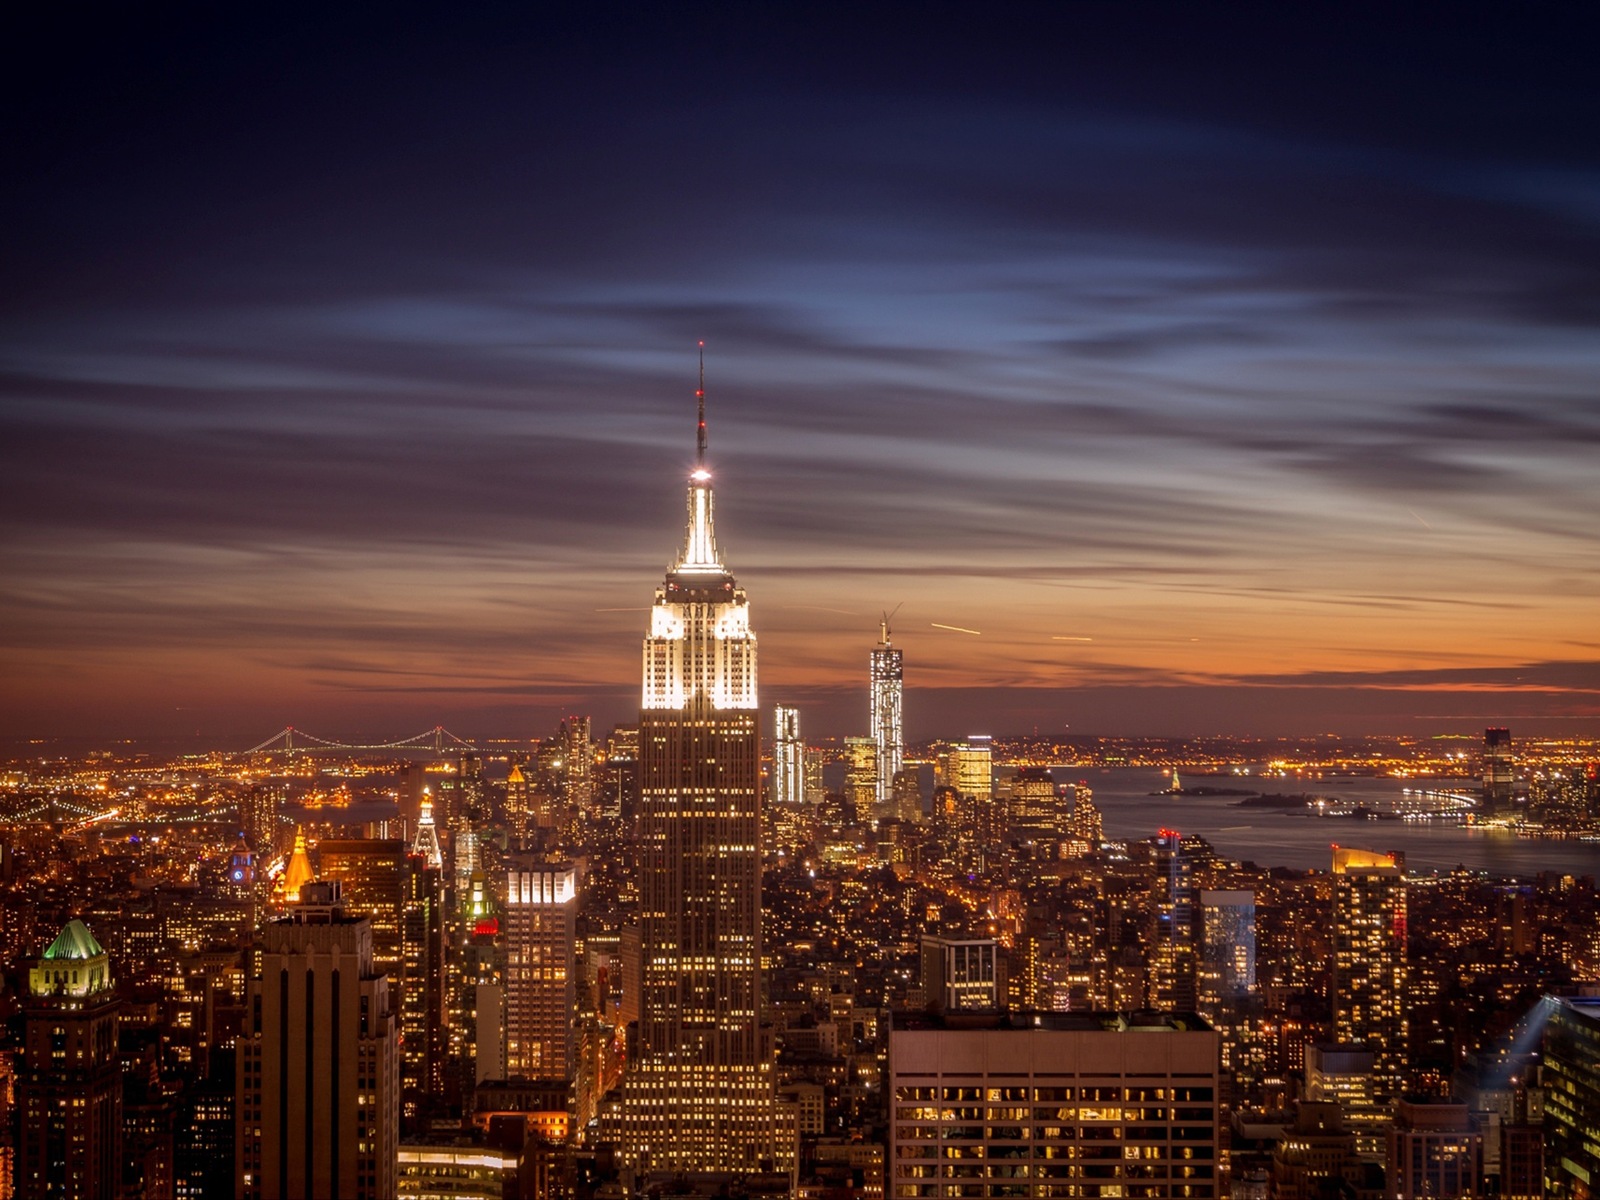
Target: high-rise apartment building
1174, 957
69, 1087
1085, 823
887, 728
541, 990
1369, 961
1036, 807
1227, 949
1052, 1104
1499, 772
1435, 1151
788, 757
622, 773
577, 766
319, 1061
699, 1096
258, 818
1344, 1075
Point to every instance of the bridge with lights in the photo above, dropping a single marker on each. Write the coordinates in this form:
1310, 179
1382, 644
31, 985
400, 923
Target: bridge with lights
290, 740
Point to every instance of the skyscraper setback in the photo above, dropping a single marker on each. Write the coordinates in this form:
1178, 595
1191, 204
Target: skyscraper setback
700, 1095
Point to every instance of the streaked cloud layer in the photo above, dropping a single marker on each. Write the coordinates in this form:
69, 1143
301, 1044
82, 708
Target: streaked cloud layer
348, 379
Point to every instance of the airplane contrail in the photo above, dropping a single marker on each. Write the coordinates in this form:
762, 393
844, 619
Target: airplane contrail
957, 629
1057, 637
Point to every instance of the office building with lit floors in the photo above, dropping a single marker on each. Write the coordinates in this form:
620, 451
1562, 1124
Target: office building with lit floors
1052, 1104
1571, 1077
319, 1062
699, 1093
69, 1085
1369, 961
788, 758
1499, 773
541, 990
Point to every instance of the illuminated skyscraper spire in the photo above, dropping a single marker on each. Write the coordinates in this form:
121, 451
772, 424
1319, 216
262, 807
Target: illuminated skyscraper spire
700, 555
298, 873
427, 843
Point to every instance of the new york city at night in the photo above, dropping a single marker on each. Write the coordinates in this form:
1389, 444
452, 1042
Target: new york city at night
604, 602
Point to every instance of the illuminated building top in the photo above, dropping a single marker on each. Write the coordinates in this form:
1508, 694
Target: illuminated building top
73, 965
299, 872
427, 843
1349, 858
700, 649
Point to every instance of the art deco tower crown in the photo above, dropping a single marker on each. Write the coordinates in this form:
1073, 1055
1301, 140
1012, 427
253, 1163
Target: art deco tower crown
700, 650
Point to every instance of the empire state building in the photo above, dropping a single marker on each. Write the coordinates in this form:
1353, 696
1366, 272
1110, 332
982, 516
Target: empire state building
700, 1095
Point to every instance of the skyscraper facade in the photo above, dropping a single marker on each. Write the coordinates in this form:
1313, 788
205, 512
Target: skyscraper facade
69, 1088
1369, 960
541, 990
887, 721
788, 757
1572, 1094
319, 1061
700, 1094
1173, 952
969, 767
1499, 772
401, 893
424, 1026
861, 776
1036, 809
577, 765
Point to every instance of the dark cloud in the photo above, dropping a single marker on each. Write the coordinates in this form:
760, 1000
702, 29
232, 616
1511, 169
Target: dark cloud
359, 352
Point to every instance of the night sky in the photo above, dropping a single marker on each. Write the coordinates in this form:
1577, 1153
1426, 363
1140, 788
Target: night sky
1229, 369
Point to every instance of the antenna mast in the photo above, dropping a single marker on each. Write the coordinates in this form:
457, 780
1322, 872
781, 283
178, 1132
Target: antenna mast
887, 617
701, 396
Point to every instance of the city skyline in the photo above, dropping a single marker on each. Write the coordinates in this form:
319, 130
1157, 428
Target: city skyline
1231, 376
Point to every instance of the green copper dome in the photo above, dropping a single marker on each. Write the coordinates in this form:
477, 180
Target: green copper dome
74, 941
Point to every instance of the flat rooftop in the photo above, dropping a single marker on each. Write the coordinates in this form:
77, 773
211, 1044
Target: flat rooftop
1141, 1021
